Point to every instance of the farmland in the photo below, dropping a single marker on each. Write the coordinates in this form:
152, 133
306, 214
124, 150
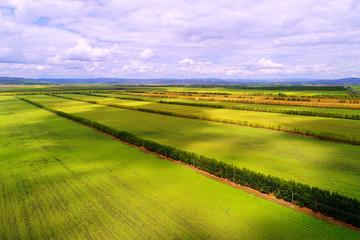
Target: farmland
234, 105
51, 168
179, 120
295, 123
267, 90
318, 163
109, 190
318, 99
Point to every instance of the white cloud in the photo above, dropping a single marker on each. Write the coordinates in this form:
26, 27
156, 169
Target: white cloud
187, 61
134, 65
116, 50
140, 67
84, 52
268, 63
226, 38
147, 54
8, 28
204, 63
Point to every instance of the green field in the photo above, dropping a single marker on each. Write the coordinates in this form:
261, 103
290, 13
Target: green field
61, 180
318, 163
350, 128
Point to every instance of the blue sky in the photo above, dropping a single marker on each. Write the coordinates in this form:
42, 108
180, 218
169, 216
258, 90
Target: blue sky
180, 39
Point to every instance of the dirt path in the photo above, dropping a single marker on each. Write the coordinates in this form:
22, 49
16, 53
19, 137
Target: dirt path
235, 185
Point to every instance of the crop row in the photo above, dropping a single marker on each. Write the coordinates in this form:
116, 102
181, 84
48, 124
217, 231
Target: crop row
331, 204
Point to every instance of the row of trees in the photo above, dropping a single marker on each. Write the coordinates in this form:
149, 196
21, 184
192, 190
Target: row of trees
319, 200
320, 135
292, 99
323, 96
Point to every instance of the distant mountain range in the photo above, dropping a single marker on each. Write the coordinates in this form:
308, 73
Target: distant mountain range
159, 81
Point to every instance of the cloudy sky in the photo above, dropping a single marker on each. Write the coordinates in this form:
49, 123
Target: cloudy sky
180, 38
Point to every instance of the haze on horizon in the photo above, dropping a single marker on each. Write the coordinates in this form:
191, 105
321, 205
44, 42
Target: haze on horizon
180, 39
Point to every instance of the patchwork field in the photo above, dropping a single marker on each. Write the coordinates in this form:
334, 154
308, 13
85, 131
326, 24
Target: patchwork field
231, 105
318, 163
240, 91
345, 101
61, 180
342, 127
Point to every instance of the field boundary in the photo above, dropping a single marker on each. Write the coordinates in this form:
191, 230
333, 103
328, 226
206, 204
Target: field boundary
257, 181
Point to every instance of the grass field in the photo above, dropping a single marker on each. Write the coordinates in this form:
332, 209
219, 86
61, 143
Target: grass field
61, 180
345, 127
318, 163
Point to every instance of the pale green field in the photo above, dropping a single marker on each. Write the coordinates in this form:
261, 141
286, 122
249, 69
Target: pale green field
345, 127
327, 165
61, 180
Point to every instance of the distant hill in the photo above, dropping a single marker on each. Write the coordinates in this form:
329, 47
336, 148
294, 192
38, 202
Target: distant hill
157, 81
342, 81
22, 81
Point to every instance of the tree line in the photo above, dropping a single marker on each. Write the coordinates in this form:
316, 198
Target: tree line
331, 204
292, 99
330, 136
